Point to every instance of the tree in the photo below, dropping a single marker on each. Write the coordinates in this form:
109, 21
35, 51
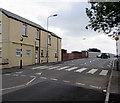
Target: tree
77, 52
104, 16
94, 50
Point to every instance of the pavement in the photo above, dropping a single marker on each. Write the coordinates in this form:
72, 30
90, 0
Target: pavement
114, 84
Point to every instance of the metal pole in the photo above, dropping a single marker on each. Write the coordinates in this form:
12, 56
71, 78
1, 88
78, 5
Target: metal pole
47, 40
47, 34
117, 64
21, 58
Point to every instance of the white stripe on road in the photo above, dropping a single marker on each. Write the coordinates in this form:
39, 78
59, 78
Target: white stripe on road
71, 68
30, 81
92, 71
38, 73
66, 81
54, 67
23, 75
15, 75
79, 83
7, 74
19, 72
103, 72
108, 65
32, 76
13, 87
40, 67
43, 77
54, 79
95, 87
63, 68
81, 70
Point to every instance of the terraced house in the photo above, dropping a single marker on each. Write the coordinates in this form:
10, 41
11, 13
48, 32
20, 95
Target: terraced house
22, 39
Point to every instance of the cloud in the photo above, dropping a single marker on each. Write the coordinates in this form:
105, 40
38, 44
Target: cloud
69, 24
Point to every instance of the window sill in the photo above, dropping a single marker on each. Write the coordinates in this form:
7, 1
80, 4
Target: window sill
49, 44
24, 35
37, 39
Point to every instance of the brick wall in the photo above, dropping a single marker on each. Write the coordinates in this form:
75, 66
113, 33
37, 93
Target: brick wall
70, 56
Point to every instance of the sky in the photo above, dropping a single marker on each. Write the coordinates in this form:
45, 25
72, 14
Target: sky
69, 24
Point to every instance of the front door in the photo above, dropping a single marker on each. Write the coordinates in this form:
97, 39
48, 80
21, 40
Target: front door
36, 55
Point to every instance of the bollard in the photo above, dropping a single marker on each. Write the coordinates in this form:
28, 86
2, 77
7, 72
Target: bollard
117, 65
20, 64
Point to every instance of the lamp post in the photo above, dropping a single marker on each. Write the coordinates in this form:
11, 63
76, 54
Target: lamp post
47, 33
117, 38
117, 64
21, 39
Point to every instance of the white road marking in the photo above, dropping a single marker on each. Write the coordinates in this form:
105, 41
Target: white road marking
13, 87
19, 72
32, 76
95, 87
54, 67
30, 81
7, 74
72, 64
79, 83
81, 70
40, 67
108, 65
38, 73
63, 68
92, 71
23, 75
72, 68
66, 81
103, 72
43, 77
15, 75
90, 61
85, 63
54, 79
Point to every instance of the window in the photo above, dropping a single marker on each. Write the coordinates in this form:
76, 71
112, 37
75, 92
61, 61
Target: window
18, 52
49, 40
37, 34
0, 27
56, 55
0, 52
42, 55
24, 30
27, 52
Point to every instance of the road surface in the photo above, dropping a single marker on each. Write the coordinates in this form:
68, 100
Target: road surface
75, 80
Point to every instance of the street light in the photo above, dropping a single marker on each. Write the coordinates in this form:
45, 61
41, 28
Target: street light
117, 38
47, 33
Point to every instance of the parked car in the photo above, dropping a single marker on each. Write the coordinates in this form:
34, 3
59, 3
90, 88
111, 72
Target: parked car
108, 55
103, 55
98, 56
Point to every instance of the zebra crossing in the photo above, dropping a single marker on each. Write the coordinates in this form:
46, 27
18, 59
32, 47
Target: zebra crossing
92, 71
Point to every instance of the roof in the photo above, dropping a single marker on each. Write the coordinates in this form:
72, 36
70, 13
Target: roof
21, 19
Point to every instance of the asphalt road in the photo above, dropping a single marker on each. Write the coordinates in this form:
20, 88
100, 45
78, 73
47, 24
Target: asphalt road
75, 80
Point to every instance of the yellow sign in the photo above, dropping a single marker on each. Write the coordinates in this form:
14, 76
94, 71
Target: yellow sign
116, 38
21, 39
